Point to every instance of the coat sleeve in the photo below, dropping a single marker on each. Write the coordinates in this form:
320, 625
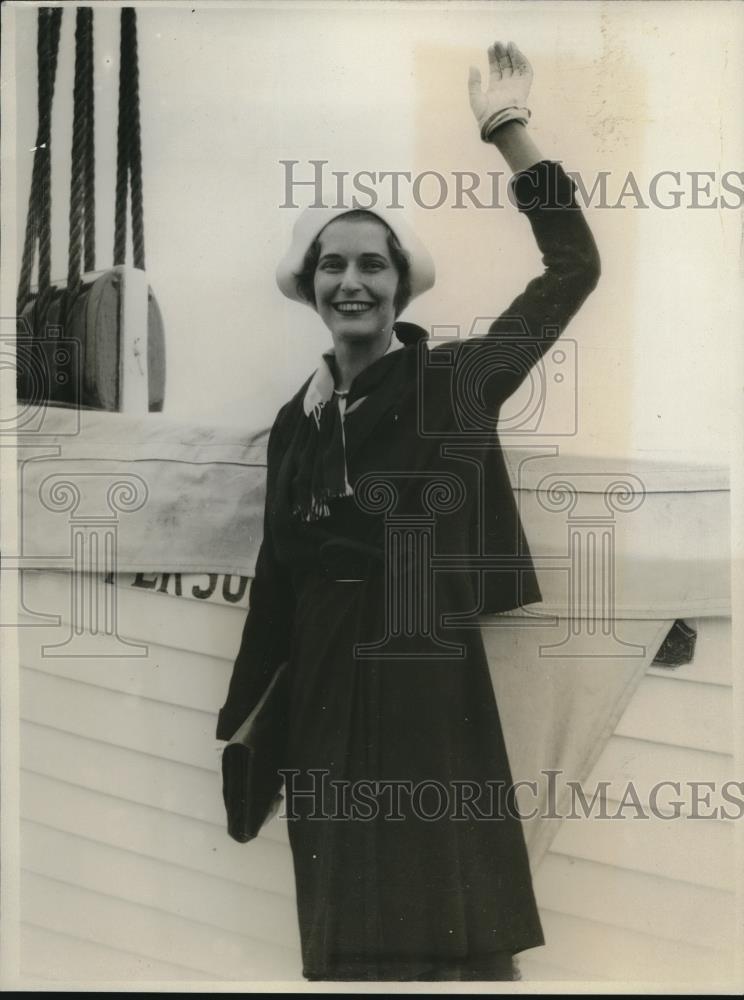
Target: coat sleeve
527, 329
266, 632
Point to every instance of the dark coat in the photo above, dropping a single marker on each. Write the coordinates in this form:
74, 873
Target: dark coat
428, 424
397, 569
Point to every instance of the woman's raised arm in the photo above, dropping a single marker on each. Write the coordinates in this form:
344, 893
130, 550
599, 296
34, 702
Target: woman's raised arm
544, 193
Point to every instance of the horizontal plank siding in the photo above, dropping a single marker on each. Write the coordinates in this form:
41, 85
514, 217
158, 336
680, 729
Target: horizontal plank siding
682, 713
125, 720
154, 833
182, 789
153, 933
223, 903
178, 789
665, 908
697, 851
51, 955
604, 951
651, 898
645, 765
174, 676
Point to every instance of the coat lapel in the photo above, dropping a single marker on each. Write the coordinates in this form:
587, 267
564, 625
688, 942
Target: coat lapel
384, 384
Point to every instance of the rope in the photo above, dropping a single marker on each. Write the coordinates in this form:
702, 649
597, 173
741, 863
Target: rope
90, 156
46, 95
38, 218
129, 146
42, 46
122, 158
135, 145
78, 176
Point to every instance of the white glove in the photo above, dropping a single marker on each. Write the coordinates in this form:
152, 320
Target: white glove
509, 82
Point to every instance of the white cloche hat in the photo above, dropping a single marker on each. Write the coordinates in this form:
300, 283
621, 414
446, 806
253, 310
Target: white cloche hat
312, 221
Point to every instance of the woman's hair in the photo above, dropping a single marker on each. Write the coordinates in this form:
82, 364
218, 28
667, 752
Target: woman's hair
306, 275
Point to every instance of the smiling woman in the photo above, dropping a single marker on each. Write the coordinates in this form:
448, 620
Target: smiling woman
389, 686
356, 289
382, 254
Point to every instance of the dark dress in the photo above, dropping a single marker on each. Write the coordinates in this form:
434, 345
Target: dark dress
409, 863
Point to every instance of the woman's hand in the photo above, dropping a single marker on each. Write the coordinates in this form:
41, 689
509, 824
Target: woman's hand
509, 82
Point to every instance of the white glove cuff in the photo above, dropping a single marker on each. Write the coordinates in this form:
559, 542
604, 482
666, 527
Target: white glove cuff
499, 118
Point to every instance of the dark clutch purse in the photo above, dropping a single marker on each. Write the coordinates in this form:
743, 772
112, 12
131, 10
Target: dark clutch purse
251, 760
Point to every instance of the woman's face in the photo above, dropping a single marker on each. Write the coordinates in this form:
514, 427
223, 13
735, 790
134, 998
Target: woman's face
355, 279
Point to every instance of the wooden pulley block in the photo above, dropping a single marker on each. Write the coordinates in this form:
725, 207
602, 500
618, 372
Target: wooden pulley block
107, 353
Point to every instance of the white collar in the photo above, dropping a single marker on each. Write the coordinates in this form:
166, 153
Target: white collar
322, 384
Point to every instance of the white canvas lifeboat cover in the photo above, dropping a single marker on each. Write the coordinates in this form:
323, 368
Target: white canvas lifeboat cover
186, 498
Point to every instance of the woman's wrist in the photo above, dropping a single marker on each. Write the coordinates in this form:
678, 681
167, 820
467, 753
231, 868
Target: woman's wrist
515, 144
